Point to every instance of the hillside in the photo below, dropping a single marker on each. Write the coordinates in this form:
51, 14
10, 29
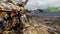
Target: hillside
42, 25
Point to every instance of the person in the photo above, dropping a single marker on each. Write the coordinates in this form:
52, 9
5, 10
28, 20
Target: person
5, 25
6, 17
1, 23
15, 24
22, 4
20, 13
20, 16
13, 13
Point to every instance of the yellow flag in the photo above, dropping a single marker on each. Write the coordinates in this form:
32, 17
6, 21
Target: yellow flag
6, 16
2, 3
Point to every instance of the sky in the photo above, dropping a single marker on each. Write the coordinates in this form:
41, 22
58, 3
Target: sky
41, 4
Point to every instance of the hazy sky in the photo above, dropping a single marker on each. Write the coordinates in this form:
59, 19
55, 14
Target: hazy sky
42, 3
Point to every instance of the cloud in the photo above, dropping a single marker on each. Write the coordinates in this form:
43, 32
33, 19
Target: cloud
42, 3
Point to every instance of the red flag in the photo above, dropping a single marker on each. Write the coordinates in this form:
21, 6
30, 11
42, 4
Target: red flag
13, 12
